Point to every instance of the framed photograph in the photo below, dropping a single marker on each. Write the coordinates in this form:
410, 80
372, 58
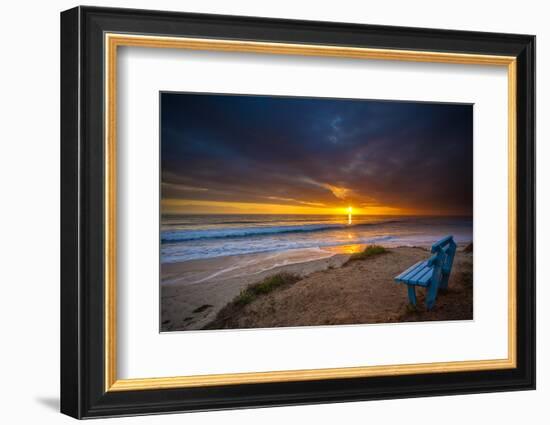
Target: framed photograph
261, 212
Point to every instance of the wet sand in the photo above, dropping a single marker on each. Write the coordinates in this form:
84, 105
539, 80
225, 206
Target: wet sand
193, 292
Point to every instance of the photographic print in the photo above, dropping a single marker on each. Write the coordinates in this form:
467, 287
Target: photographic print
300, 211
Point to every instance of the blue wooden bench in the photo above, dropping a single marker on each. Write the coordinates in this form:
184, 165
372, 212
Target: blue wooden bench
432, 273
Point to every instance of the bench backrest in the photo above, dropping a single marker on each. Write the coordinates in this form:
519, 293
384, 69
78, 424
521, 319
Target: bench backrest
442, 243
444, 253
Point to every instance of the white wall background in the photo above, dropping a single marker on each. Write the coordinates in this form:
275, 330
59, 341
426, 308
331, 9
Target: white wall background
29, 214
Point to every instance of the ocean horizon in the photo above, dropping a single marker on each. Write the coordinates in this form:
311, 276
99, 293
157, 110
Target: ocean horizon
186, 237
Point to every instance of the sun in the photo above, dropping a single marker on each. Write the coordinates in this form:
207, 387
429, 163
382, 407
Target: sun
350, 210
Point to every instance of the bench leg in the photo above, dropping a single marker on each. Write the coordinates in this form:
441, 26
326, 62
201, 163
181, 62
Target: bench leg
444, 280
431, 294
412, 294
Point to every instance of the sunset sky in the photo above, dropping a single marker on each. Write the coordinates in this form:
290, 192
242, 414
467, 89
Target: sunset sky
225, 154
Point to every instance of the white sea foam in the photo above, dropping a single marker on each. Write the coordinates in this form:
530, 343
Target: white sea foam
196, 237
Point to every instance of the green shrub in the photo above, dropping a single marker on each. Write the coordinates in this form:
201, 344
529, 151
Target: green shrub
369, 251
244, 298
267, 285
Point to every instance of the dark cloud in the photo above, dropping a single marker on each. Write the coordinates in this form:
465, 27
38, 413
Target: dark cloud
413, 156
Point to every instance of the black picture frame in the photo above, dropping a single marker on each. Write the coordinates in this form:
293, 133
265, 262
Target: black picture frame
83, 392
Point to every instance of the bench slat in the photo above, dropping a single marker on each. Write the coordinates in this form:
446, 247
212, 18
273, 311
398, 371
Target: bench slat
402, 274
414, 278
419, 267
425, 280
441, 243
420, 276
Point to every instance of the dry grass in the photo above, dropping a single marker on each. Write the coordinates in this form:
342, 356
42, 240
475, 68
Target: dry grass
251, 293
369, 252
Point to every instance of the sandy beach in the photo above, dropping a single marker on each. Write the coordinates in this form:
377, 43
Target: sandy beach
329, 290
193, 292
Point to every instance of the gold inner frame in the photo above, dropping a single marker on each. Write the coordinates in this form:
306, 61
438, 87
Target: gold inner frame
113, 41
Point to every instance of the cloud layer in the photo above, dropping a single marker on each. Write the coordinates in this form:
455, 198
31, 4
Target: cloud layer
403, 157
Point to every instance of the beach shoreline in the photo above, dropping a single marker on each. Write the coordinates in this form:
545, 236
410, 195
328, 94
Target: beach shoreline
194, 292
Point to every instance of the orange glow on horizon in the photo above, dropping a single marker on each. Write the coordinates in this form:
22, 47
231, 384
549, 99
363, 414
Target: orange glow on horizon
190, 206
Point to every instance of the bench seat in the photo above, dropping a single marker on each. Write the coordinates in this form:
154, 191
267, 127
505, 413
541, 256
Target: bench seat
419, 274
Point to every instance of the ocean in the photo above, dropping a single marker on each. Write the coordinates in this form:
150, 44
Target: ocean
193, 237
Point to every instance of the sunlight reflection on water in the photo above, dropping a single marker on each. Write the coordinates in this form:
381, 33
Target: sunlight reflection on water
347, 249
